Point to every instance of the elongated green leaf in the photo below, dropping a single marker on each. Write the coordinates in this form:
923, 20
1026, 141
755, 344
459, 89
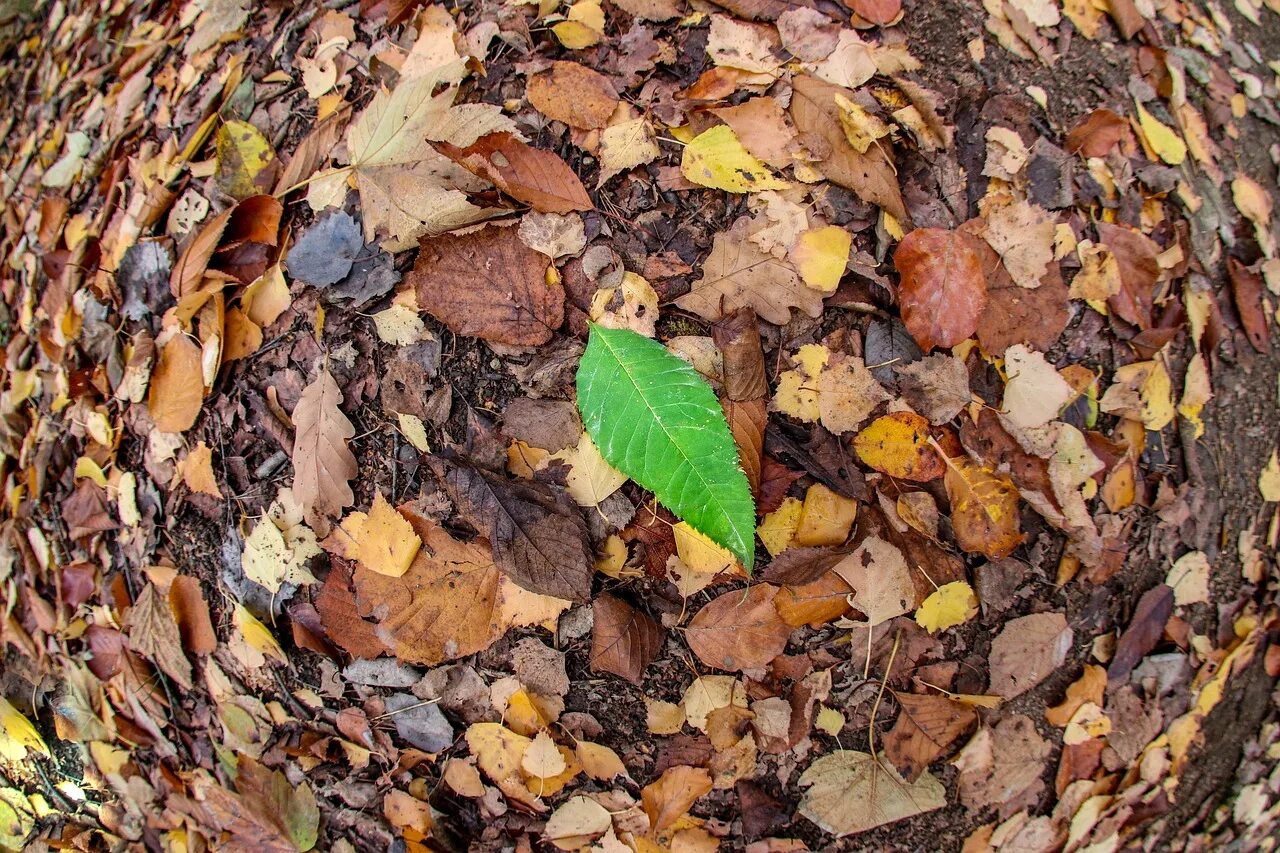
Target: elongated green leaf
657, 421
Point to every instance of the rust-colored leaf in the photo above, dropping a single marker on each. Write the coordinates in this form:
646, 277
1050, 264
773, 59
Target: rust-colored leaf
797, 566
675, 791
739, 630
623, 640
574, 94
943, 290
1096, 134
737, 336
177, 385
747, 422
538, 178
879, 12
489, 284
1246, 288
1139, 268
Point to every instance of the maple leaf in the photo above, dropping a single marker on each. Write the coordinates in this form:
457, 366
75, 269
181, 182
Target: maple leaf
739, 274
323, 464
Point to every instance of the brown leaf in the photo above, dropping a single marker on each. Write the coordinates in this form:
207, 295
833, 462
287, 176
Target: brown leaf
1144, 631
154, 633
489, 284
1139, 268
1027, 652
652, 528
177, 385
538, 178
1090, 687
797, 566
192, 614
574, 94
1003, 766
737, 336
1018, 315
880, 12
926, 727
738, 630
872, 175
194, 260
936, 386
539, 538
623, 640
322, 463
775, 481
747, 422
444, 607
336, 604
1246, 288
739, 274
86, 511
671, 796
1127, 17
1096, 134
761, 125
815, 603
943, 289
312, 152
984, 509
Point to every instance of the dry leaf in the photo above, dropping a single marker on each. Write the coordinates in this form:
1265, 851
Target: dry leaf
322, 463
739, 630
538, 178
1027, 652
925, 729
574, 94
850, 792
943, 289
670, 797
898, 445
386, 543
177, 385
881, 580
623, 640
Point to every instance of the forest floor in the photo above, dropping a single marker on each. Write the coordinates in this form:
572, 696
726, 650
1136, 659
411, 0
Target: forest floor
306, 544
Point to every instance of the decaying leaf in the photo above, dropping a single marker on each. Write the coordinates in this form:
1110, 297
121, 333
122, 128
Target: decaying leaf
943, 288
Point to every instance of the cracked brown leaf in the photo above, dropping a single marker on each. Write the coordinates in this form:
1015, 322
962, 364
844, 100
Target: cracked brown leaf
943, 289
539, 538
623, 640
489, 284
739, 630
323, 465
739, 274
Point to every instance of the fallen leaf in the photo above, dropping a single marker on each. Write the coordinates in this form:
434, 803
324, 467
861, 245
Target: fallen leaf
489, 284
242, 153
949, 605
498, 752
626, 145
716, 158
850, 792
623, 640
870, 175
324, 252
399, 326
1269, 479
1023, 235
820, 256
1027, 652
943, 289
739, 630
153, 632
936, 386
1144, 631
1136, 255
574, 94
1090, 687
825, 517
1096, 134
538, 178
897, 444
197, 471
800, 566
577, 823
1246, 289
1189, 579
1003, 766
323, 464
926, 727
1164, 141
738, 274
17, 736
761, 124
539, 539
671, 795
881, 580
386, 543
1034, 392
984, 509
177, 385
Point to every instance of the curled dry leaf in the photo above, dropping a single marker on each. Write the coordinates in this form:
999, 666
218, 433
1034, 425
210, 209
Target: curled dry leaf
943, 289
489, 284
623, 640
739, 630
737, 336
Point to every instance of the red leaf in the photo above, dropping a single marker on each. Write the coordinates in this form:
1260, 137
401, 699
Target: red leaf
1096, 134
540, 179
1136, 254
1246, 287
943, 289
876, 11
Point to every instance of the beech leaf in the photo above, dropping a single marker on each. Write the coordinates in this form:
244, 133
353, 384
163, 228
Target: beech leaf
655, 419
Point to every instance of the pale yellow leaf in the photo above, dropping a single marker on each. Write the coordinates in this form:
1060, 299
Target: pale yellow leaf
387, 543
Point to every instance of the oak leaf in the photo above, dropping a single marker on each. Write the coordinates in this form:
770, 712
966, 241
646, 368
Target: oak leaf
489, 284
323, 464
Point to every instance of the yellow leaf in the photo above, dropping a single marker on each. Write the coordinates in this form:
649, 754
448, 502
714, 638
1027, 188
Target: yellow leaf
266, 297
498, 752
576, 823
387, 543
591, 479
825, 517
626, 145
584, 25
829, 720
663, 718
414, 431
1196, 392
1142, 391
252, 643
820, 256
631, 305
897, 444
778, 528
242, 153
1165, 142
399, 326
797, 394
17, 735
861, 128
614, 557
1269, 479
88, 469
717, 159
601, 762
699, 553
949, 605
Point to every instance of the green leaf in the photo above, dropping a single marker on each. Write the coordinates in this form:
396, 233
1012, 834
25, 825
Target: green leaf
657, 421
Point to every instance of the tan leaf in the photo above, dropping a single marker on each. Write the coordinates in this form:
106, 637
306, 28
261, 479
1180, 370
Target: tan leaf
1027, 652
322, 462
880, 578
153, 631
739, 630
850, 792
498, 751
197, 471
574, 94
671, 796
177, 385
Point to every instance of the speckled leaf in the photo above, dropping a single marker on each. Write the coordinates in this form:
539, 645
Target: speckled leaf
657, 421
